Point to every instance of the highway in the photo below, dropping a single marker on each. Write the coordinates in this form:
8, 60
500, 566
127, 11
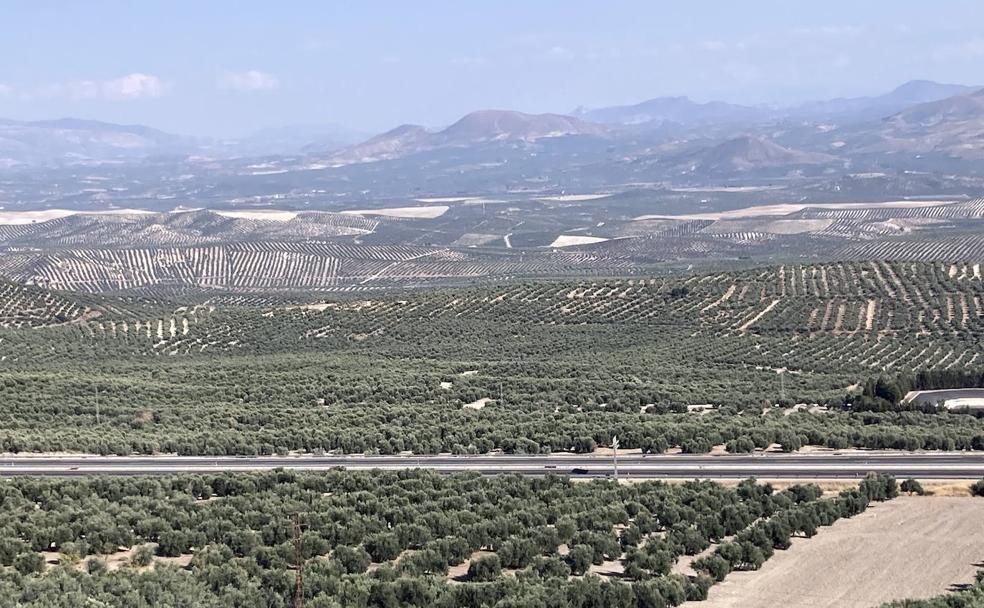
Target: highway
825, 465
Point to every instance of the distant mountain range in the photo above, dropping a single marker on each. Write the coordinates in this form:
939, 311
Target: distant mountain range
677, 110
668, 136
479, 127
70, 139
686, 112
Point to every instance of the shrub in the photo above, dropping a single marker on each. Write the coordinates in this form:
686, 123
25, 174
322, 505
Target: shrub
29, 563
142, 556
911, 486
484, 569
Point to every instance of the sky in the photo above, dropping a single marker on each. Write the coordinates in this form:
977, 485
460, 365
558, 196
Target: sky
226, 69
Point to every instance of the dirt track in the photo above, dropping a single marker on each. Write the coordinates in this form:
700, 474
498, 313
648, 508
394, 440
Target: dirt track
907, 548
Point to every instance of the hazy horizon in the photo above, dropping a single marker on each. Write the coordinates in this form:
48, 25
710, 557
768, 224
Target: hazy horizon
229, 70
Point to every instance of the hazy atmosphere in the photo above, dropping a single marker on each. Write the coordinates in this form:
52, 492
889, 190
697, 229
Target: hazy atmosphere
492, 304
221, 70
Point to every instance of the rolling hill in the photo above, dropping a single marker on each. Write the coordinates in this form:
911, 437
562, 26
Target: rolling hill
71, 139
748, 153
476, 128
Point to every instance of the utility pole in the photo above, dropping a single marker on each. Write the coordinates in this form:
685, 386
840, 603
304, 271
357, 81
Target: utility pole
615, 456
298, 564
782, 384
501, 402
97, 404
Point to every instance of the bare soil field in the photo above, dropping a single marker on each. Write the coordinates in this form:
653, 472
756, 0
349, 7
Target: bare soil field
910, 547
17, 218
788, 208
273, 215
573, 197
425, 213
569, 240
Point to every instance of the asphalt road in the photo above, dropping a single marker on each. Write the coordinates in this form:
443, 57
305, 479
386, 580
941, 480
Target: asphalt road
843, 465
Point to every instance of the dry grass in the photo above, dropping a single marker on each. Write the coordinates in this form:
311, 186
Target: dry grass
910, 547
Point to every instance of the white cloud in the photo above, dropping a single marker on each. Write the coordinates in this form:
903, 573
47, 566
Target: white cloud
250, 80
133, 86
125, 88
5, 89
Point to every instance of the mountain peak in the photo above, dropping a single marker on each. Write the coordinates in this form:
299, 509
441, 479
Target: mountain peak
486, 125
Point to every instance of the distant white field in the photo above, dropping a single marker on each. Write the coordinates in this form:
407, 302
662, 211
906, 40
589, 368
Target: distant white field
449, 199
570, 240
14, 218
787, 208
272, 215
426, 213
727, 189
573, 197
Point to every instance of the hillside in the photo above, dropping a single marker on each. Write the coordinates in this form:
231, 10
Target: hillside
74, 140
555, 362
476, 128
195, 227
25, 306
855, 109
950, 128
678, 110
749, 153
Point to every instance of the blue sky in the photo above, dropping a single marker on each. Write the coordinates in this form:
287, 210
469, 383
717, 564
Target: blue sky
228, 68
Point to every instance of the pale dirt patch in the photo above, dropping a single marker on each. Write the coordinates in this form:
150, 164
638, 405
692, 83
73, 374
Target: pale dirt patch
758, 317
459, 572
608, 569
446, 385
570, 240
273, 215
470, 372
724, 298
608, 452
869, 315
477, 405
910, 547
426, 213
